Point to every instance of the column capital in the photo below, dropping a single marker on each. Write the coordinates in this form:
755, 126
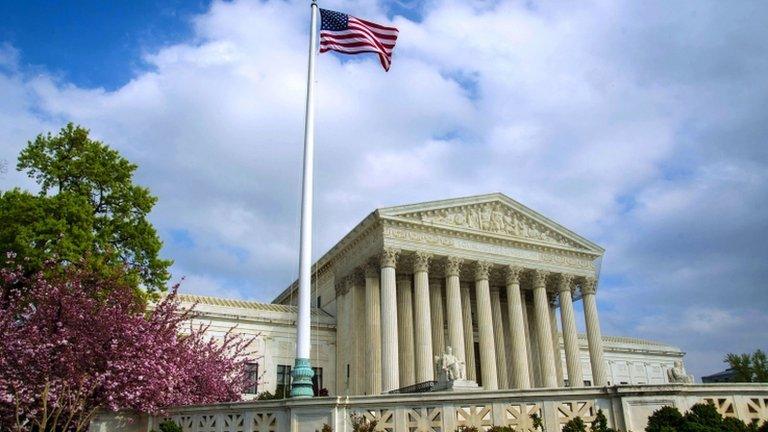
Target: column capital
589, 285
388, 257
564, 282
421, 261
371, 269
357, 277
482, 268
512, 274
540, 278
453, 266
343, 285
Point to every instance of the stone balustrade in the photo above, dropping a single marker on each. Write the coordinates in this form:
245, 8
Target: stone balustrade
627, 408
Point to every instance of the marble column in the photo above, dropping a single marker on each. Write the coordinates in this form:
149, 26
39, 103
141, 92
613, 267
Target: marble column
520, 372
557, 356
498, 338
438, 316
372, 330
358, 329
543, 330
343, 336
489, 376
390, 366
425, 370
469, 332
530, 337
594, 336
570, 335
507, 344
453, 307
405, 329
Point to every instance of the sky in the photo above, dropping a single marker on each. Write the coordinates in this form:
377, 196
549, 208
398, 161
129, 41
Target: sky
642, 126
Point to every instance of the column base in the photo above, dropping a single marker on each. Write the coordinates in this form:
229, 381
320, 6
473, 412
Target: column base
302, 374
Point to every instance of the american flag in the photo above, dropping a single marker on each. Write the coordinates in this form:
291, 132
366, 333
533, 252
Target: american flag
347, 34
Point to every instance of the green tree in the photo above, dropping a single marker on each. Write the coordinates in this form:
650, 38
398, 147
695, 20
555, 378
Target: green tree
88, 208
749, 367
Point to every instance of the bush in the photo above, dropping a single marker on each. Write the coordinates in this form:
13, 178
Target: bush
326, 428
664, 419
575, 425
467, 429
703, 417
169, 426
266, 396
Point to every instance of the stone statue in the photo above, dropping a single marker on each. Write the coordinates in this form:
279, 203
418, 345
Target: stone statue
677, 375
449, 367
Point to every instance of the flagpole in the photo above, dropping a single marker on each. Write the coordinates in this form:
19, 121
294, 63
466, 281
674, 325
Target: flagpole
302, 370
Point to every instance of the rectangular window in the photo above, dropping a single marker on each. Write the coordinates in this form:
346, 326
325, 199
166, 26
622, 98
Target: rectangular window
319, 304
283, 381
587, 383
252, 374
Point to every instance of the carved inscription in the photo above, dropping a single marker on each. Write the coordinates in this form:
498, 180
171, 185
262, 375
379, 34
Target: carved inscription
567, 261
416, 236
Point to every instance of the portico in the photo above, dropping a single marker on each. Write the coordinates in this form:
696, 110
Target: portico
484, 275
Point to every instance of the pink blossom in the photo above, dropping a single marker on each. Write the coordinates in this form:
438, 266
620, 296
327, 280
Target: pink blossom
75, 343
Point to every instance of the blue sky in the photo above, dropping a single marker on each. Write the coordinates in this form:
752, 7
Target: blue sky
92, 43
641, 127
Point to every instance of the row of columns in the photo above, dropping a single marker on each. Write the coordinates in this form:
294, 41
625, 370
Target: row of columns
404, 327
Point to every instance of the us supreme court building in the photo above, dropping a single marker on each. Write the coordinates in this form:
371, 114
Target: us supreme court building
493, 280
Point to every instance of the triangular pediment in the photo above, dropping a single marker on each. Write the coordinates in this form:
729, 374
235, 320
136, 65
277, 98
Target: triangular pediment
494, 214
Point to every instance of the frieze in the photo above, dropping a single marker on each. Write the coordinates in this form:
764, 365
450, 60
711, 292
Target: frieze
486, 248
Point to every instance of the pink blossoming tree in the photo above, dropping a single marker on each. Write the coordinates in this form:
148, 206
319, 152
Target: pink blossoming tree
76, 343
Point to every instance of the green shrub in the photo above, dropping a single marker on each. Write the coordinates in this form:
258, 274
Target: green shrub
664, 419
703, 417
266, 396
575, 425
169, 426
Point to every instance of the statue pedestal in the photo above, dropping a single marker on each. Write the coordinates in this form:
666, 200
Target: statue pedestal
456, 386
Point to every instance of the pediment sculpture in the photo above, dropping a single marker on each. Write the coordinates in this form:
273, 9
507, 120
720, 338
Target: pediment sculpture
494, 217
